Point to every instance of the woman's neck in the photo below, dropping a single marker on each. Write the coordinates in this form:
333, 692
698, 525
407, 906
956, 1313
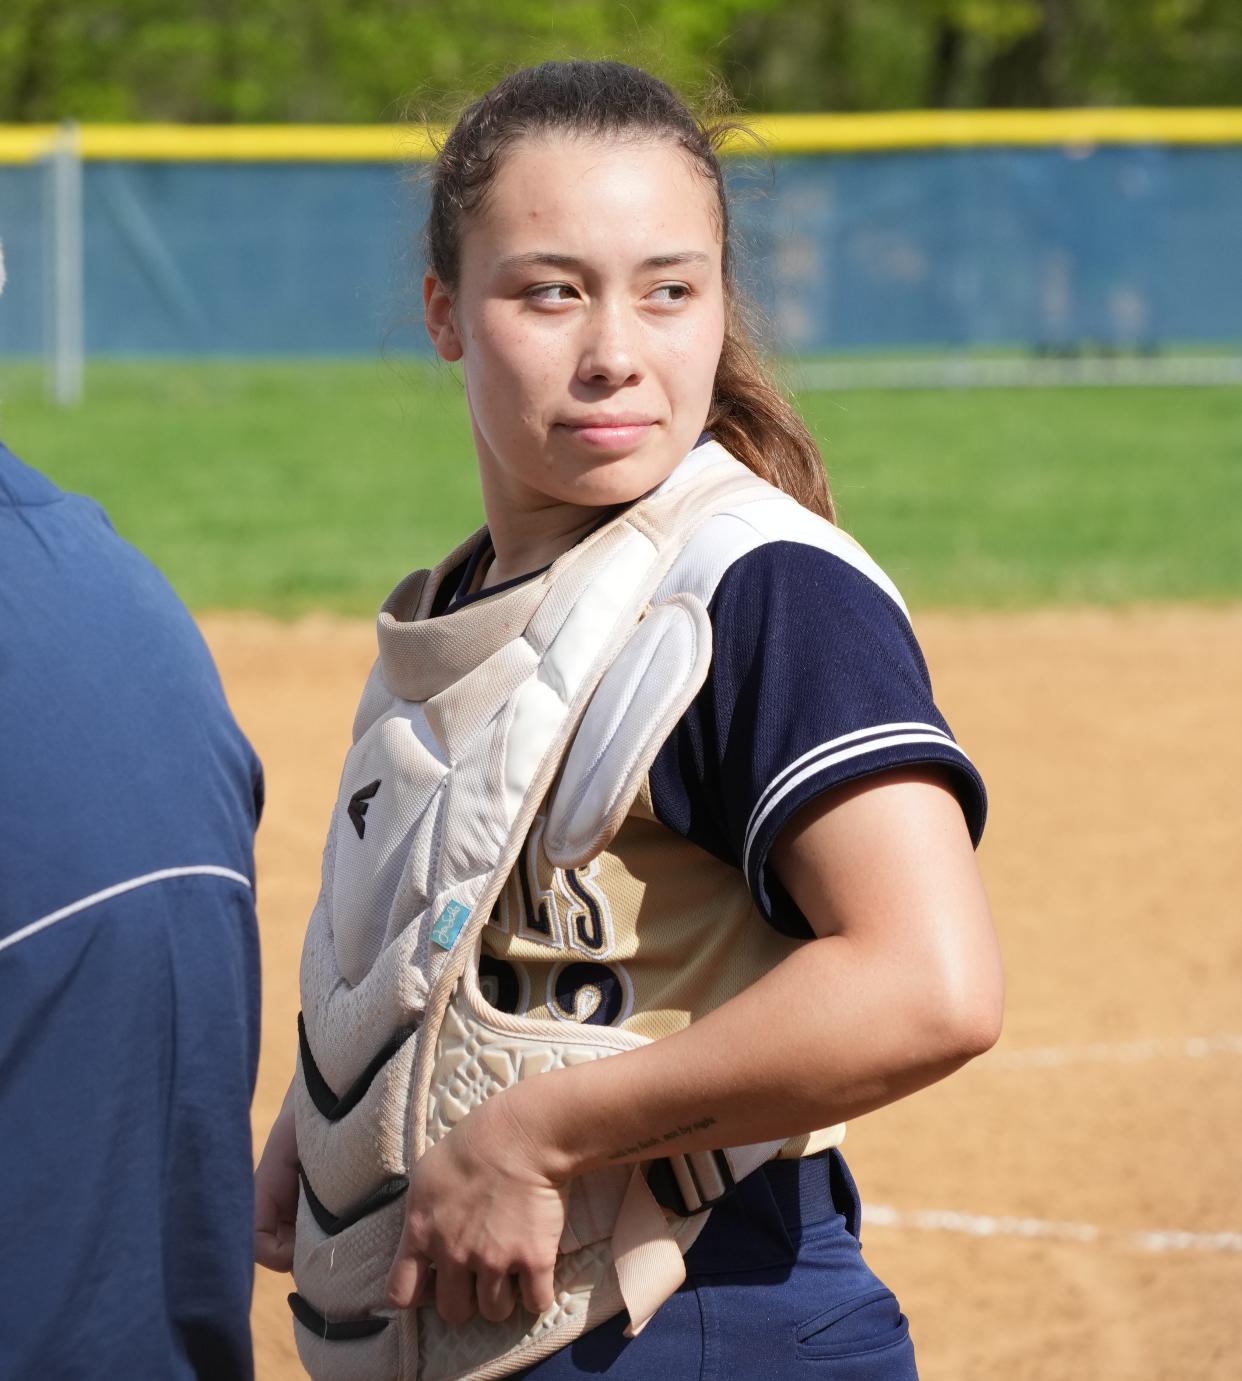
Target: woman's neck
519, 548
528, 531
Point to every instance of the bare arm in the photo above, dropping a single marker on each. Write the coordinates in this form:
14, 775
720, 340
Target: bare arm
901, 986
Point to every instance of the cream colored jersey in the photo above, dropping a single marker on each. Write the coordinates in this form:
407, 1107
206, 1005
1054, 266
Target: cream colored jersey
816, 679
652, 933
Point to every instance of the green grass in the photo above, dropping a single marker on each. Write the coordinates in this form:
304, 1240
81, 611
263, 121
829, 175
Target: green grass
1024, 497
295, 486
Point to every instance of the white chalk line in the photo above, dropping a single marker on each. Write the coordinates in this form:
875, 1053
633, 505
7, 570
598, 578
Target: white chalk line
1152, 1240
1116, 1052
987, 1225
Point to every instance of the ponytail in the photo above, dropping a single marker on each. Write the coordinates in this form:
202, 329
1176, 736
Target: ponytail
752, 418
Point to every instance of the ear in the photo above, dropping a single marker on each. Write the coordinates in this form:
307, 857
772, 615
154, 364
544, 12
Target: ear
438, 314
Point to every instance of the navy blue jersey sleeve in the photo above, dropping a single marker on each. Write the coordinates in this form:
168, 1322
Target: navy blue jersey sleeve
816, 679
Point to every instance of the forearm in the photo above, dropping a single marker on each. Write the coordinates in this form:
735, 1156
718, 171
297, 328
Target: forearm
833, 1032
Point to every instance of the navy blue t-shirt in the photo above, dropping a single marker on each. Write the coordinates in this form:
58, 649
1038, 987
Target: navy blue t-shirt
129, 964
816, 679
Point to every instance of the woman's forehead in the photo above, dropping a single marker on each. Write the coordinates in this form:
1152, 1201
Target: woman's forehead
571, 195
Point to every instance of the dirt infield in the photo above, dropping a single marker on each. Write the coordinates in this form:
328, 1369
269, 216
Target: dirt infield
1088, 1167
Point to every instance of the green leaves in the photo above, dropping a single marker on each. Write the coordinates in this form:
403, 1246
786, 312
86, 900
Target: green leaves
367, 60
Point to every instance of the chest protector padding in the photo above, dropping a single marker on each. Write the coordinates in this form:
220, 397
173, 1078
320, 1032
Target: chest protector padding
554, 695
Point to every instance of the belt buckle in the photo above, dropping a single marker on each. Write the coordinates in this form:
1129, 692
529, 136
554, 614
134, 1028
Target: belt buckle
692, 1183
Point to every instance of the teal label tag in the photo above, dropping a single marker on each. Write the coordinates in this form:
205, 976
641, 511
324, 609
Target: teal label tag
448, 927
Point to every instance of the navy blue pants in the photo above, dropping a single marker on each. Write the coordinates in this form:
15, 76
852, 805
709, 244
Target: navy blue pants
776, 1288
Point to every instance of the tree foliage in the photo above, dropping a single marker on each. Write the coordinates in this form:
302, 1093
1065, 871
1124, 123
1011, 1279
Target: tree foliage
366, 60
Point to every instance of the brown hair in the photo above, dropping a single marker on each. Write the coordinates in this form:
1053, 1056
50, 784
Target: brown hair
749, 414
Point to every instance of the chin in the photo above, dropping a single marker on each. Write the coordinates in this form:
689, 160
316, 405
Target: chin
619, 478
618, 482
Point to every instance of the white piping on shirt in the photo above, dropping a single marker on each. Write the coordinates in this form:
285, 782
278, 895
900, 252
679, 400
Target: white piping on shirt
817, 759
119, 889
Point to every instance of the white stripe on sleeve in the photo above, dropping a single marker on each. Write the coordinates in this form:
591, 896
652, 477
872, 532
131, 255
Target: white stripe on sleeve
827, 755
821, 749
119, 889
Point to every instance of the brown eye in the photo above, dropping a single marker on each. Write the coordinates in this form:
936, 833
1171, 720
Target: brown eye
552, 292
671, 292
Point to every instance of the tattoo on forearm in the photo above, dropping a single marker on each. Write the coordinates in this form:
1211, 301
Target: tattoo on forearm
650, 1143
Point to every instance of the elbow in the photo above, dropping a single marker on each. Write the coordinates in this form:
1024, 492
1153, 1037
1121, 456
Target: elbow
973, 1026
969, 1019
965, 1008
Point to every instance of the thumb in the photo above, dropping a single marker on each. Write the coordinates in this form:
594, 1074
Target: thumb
407, 1277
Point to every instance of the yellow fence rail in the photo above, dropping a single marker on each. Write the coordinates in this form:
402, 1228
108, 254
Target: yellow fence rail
782, 134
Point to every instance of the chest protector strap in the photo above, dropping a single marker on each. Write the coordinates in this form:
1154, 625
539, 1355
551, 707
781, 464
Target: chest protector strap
556, 694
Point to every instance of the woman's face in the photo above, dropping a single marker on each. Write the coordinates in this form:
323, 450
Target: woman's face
589, 319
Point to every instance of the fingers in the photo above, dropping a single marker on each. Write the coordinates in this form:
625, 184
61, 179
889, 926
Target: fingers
496, 1296
459, 1293
456, 1298
469, 1228
276, 1195
275, 1221
407, 1281
407, 1277
538, 1294
273, 1247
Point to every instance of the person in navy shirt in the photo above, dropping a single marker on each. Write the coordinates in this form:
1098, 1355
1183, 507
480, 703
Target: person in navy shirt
129, 963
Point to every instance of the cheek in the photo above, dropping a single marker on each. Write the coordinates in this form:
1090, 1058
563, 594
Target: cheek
693, 356
511, 381
510, 355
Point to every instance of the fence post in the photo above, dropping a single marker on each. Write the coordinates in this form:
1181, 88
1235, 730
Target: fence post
65, 293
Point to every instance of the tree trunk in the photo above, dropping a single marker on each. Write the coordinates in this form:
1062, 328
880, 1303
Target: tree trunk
228, 61
32, 94
1033, 70
944, 77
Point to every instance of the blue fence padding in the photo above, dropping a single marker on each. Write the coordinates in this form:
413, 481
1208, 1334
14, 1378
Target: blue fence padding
21, 234
1124, 247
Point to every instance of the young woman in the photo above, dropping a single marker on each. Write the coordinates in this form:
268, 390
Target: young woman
783, 921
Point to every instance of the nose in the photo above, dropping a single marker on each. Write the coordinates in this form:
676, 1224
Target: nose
609, 352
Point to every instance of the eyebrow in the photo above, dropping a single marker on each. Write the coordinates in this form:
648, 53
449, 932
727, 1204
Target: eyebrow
540, 258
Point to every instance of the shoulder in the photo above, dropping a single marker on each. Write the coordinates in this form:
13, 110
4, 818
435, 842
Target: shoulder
31, 503
791, 598
69, 575
772, 537
816, 678
22, 486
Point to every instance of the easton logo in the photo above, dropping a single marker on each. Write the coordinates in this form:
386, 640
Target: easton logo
358, 804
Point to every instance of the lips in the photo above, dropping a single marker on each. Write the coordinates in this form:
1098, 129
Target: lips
610, 433
610, 419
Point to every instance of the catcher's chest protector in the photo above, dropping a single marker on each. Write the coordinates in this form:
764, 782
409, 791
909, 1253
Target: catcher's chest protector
575, 679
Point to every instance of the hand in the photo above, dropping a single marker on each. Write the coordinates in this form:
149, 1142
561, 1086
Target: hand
276, 1193
482, 1209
